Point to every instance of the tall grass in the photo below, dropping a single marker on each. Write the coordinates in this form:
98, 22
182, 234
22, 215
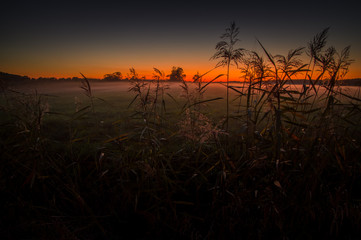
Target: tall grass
228, 53
286, 166
87, 90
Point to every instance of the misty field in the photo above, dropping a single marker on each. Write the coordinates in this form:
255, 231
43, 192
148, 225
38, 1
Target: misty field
152, 158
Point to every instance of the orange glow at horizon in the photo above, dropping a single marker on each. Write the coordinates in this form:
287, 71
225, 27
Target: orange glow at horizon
235, 75
190, 70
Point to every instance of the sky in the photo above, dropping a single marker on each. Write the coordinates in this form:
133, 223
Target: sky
62, 39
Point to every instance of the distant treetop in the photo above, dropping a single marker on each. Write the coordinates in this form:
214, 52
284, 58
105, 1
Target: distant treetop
116, 76
177, 74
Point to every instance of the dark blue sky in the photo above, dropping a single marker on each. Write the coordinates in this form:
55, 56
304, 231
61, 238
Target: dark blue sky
63, 38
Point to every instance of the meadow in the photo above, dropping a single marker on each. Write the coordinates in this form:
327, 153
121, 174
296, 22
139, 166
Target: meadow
185, 160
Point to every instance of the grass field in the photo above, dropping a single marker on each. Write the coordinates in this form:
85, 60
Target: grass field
73, 170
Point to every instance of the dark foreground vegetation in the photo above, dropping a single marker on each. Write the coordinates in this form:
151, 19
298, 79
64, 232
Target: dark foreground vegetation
288, 165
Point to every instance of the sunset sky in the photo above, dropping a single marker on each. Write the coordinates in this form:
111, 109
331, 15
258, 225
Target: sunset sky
61, 39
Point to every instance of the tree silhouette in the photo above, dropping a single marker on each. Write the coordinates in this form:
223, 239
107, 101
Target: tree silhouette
116, 76
177, 74
227, 53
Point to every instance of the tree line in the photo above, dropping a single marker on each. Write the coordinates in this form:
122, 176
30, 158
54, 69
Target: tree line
177, 74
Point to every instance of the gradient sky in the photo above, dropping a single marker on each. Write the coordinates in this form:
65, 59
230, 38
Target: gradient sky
61, 39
